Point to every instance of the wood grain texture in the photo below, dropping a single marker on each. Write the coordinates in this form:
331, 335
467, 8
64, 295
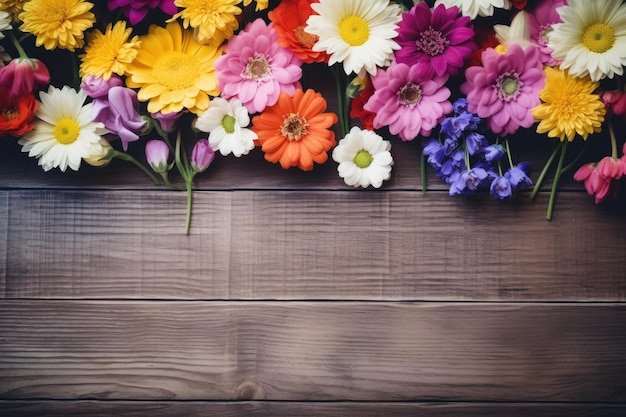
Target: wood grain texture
4, 233
301, 409
312, 351
308, 245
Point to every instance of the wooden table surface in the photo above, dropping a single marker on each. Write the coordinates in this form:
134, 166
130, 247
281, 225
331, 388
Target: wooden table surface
295, 295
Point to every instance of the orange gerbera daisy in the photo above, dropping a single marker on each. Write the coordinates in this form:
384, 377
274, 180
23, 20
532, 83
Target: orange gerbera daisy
289, 19
16, 113
296, 130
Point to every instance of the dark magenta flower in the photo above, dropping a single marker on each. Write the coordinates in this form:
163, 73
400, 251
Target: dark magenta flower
136, 10
21, 76
438, 39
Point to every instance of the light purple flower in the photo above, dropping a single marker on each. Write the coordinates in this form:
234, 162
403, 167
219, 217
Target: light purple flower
438, 39
202, 155
255, 69
167, 120
500, 188
136, 10
410, 100
157, 153
97, 87
119, 111
506, 88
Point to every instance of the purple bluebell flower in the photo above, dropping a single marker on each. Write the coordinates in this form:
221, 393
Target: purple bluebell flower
501, 188
517, 175
493, 153
460, 105
475, 143
468, 182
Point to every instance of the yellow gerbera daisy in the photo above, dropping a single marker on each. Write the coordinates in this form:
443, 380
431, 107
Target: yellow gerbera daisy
174, 71
212, 20
569, 106
57, 23
260, 4
109, 52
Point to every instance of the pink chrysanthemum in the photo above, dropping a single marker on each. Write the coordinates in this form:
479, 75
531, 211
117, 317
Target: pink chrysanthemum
541, 20
255, 69
505, 88
439, 39
410, 100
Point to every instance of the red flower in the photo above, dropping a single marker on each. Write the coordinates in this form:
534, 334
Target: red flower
16, 113
358, 112
485, 38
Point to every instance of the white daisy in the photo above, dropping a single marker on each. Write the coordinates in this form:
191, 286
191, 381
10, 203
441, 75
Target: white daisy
357, 33
226, 122
65, 131
592, 38
473, 8
364, 158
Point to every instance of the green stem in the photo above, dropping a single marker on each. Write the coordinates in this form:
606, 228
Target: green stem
575, 160
508, 152
544, 172
613, 140
188, 184
423, 172
343, 124
18, 46
126, 157
557, 176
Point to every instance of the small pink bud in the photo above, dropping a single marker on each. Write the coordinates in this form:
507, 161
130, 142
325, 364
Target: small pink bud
202, 155
157, 153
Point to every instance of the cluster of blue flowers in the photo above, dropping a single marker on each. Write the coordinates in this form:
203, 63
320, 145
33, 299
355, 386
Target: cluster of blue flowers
463, 158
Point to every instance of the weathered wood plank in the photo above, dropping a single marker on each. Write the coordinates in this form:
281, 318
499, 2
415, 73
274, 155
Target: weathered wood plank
4, 231
309, 245
300, 409
311, 351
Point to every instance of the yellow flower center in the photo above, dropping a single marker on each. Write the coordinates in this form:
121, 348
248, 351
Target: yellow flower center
354, 30
294, 127
8, 113
363, 159
599, 37
66, 131
176, 70
306, 39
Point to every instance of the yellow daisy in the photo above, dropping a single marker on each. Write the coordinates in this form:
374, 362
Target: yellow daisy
109, 52
213, 21
569, 106
174, 71
260, 4
57, 23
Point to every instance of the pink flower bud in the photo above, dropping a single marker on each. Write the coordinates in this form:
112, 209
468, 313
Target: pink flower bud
202, 155
22, 75
157, 153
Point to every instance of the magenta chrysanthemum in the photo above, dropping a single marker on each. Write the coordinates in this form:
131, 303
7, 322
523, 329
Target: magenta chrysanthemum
136, 10
255, 69
410, 100
505, 88
439, 39
541, 20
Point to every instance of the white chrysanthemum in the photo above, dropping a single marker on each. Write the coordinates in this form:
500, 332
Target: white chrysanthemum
592, 38
226, 122
65, 131
364, 158
5, 22
516, 34
473, 8
357, 33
